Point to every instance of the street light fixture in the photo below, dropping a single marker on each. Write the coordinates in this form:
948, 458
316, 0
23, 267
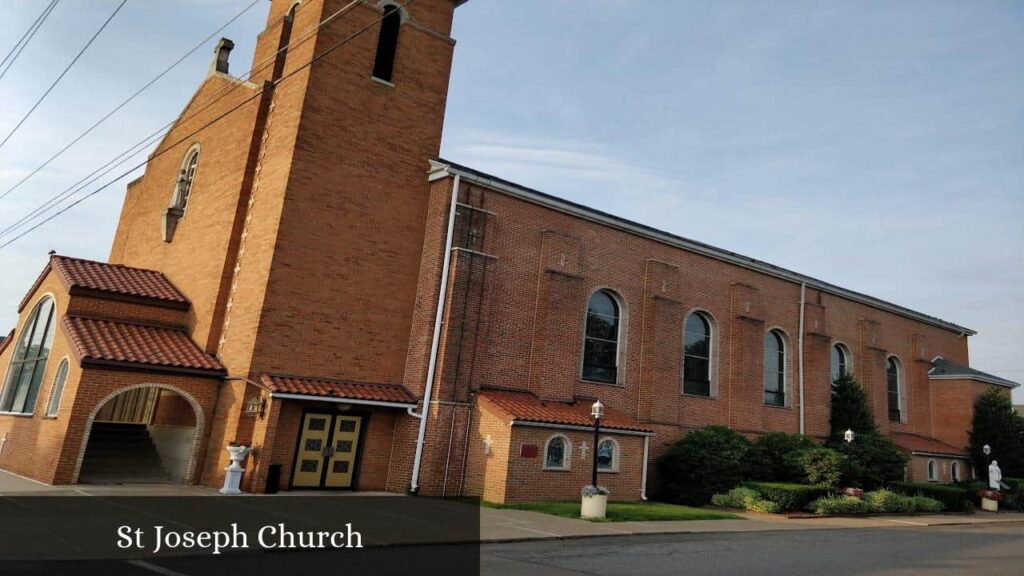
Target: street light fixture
848, 436
596, 412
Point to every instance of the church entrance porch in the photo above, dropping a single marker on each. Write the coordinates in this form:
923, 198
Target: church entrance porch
327, 454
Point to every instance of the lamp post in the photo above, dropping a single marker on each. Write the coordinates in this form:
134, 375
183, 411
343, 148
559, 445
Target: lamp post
987, 450
848, 436
596, 412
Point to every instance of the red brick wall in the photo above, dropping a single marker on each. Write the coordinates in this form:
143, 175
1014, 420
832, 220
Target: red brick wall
952, 406
917, 469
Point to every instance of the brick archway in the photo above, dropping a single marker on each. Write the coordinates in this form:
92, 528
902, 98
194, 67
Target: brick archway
190, 470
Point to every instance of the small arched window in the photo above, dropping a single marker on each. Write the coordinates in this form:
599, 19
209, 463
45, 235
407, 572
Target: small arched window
601, 344
608, 455
893, 387
840, 361
387, 43
186, 176
774, 369
933, 472
29, 360
556, 453
57, 391
954, 471
697, 355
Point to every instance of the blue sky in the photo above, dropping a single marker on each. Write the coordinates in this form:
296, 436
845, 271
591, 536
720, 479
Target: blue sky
876, 145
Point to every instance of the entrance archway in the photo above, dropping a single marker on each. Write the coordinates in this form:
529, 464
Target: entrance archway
147, 433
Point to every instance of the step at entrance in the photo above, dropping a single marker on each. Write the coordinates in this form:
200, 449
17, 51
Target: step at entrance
120, 453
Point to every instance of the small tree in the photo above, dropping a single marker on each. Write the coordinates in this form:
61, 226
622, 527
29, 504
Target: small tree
873, 459
702, 463
996, 423
823, 466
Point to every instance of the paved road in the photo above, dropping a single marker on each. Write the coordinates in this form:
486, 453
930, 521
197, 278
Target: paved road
988, 550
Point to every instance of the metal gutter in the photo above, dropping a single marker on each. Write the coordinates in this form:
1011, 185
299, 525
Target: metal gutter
337, 400
581, 428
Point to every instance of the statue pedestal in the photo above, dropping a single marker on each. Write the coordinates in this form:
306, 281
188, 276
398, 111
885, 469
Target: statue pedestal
989, 505
233, 473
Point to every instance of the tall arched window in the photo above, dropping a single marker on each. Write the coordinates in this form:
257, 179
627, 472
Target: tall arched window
933, 471
840, 361
186, 175
387, 43
29, 360
774, 369
601, 345
57, 391
893, 384
697, 355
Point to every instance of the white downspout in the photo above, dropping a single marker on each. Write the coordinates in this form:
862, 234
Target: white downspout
643, 471
438, 318
800, 352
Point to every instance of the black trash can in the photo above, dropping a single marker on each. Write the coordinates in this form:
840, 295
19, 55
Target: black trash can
273, 479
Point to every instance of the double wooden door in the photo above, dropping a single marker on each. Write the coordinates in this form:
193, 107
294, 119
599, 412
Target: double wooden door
328, 450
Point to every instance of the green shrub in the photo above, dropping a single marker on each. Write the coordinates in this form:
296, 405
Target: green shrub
873, 461
787, 496
926, 504
822, 465
839, 505
888, 501
775, 457
702, 463
953, 498
744, 499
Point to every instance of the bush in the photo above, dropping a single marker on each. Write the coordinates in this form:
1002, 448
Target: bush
822, 465
702, 463
874, 461
996, 423
952, 498
888, 501
775, 457
788, 497
926, 504
744, 499
839, 505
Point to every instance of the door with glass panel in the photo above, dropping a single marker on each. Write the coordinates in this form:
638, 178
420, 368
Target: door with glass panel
327, 451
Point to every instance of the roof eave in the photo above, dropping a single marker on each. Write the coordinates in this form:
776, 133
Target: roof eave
442, 169
987, 380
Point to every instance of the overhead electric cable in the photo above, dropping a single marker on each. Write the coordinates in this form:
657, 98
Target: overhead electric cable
69, 66
234, 108
16, 50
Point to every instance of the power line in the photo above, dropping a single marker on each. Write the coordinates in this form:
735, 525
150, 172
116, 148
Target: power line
124, 156
234, 108
55, 82
129, 99
26, 38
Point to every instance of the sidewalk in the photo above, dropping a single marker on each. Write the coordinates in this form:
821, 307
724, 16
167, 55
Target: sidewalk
504, 525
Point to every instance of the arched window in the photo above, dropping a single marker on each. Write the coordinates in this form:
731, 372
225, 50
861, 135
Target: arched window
893, 384
29, 360
774, 369
601, 345
933, 472
697, 355
186, 175
840, 361
608, 455
556, 453
954, 471
57, 391
387, 43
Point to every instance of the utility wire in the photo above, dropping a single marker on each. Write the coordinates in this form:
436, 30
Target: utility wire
234, 108
126, 101
124, 156
55, 82
25, 39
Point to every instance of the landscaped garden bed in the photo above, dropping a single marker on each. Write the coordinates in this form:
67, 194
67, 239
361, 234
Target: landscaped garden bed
622, 511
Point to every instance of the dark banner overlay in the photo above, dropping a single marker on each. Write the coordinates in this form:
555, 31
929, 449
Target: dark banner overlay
280, 535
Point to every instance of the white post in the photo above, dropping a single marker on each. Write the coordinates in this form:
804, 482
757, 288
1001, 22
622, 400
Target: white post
233, 473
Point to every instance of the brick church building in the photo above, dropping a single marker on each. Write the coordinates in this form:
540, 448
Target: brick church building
298, 271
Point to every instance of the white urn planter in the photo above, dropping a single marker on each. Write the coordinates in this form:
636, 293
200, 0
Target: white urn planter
233, 473
594, 503
989, 505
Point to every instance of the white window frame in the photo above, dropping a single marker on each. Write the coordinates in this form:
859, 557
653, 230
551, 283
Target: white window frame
193, 149
616, 452
847, 356
620, 338
55, 393
712, 354
566, 457
933, 470
4, 389
787, 400
901, 389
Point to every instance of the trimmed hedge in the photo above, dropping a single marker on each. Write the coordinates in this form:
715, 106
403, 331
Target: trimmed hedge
877, 502
839, 505
952, 498
787, 496
744, 499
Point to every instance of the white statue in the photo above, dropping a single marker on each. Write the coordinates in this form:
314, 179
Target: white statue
995, 475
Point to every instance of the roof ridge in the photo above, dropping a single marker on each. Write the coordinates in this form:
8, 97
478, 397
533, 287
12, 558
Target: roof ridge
127, 323
333, 380
109, 264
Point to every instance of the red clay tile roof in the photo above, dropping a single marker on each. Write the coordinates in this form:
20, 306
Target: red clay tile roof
338, 389
118, 279
105, 342
527, 407
914, 443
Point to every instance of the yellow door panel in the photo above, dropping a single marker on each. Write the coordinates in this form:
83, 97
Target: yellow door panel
341, 462
313, 446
